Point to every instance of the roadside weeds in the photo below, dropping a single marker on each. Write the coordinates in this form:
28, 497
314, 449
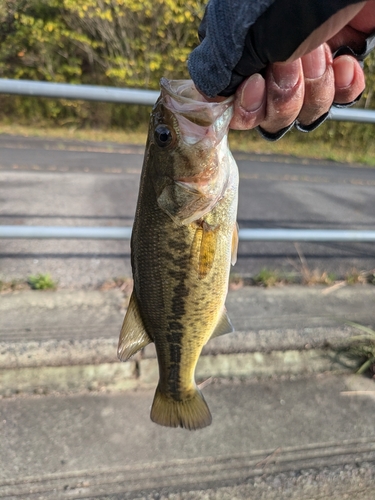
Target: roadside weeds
265, 278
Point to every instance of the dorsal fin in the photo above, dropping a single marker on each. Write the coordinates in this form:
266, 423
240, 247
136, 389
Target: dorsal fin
133, 336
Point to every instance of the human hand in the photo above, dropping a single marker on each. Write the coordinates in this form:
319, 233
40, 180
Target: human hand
304, 87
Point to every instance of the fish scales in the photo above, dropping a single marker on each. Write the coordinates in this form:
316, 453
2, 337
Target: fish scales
186, 311
182, 247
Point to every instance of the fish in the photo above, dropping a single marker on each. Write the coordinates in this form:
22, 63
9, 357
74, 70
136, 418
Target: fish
183, 242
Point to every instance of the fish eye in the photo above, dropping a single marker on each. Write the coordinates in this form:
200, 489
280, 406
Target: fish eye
163, 136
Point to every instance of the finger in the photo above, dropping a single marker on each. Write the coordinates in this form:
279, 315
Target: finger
328, 29
285, 93
319, 85
364, 21
357, 30
349, 79
249, 104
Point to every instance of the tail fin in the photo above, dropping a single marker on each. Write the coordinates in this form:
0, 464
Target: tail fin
192, 413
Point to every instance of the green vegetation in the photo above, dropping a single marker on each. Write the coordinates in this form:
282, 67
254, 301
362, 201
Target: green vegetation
35, 282
124, 43
131, 43
332, 141
269, 277
317, 277
265, 278
361, 349
354, 277
72, 133
272, 277
371, 277
41, 282
303, 276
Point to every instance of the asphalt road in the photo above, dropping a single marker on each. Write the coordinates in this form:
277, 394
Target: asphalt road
71, 183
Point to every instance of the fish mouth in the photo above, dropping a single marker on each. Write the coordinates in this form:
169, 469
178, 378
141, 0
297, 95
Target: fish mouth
201, 127
198, 118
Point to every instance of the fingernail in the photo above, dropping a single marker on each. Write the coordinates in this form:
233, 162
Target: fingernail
344, 71
253, 93
286, 75
314, 64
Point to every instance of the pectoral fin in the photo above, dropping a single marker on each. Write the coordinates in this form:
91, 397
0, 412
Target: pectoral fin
133, 336
204, 248
235, 244
224, 325
182, 202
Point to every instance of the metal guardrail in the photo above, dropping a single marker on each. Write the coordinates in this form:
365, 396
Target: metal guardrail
148, 97
132, 96
124, 233
352, 115
52, 232
83, 92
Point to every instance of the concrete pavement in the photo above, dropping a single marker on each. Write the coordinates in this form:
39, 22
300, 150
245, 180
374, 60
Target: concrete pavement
301, 438
289, 421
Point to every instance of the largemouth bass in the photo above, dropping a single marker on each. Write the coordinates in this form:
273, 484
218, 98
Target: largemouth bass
183, 242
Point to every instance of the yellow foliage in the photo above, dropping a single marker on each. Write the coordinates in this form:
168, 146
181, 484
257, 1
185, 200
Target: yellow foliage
120, 42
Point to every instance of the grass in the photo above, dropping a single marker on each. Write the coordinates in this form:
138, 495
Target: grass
316, 277
265, 278
306, 146
33, 282
303, 275
72, 133
354, 277
294, 144
41, 282
371, 277
361, 349
311, 276
272, 277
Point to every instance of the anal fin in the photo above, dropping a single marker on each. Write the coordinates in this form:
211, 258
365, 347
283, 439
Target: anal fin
223, 326
133, 336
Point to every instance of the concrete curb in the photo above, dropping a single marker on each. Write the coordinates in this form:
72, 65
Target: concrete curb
66, 341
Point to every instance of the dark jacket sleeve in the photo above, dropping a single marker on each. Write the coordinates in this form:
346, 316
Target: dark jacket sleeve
240, 37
